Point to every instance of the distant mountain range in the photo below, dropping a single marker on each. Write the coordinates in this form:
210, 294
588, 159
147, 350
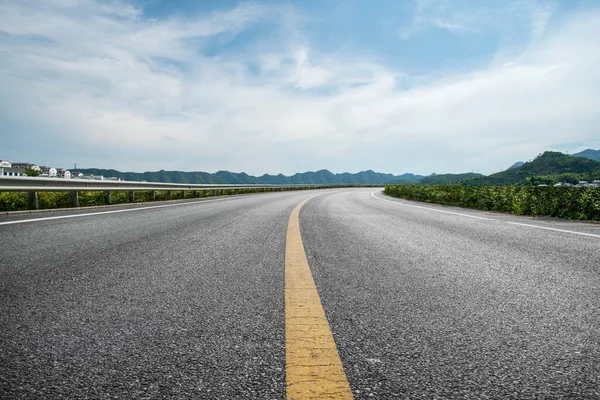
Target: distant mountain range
225, 177
549, 167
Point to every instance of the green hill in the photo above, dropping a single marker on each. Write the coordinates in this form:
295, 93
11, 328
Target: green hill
516, 165
589, 153
406, 179
448, 179
233, 178
547, 168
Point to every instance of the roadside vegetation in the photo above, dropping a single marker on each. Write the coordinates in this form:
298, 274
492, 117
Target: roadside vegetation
18, 201
582, 203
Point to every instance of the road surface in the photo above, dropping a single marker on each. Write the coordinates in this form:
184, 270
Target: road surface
187, 300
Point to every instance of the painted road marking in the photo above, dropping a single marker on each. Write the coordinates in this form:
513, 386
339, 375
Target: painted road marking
431, 209
313, 366
554, 229
490, 219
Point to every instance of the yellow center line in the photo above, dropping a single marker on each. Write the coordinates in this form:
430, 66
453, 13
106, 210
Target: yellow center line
313, 366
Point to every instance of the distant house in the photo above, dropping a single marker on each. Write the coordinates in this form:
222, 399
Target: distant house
92, 177
13, 172
19, 169
24, 166
63, 173
4, 165
8, 169
559, 184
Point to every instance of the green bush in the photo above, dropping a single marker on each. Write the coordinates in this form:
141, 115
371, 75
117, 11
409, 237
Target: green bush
562, 202
54, 199
12, 201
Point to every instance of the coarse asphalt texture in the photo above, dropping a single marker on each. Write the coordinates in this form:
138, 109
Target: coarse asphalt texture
187, 301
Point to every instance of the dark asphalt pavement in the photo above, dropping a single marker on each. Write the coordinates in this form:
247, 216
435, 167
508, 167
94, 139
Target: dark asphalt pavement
428, 305
186, 301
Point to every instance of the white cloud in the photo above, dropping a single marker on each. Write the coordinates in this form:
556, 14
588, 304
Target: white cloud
540, 19
308, 76
442, 14
101, 78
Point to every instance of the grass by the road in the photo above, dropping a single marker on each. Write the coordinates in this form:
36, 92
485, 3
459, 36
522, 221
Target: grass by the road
581, 203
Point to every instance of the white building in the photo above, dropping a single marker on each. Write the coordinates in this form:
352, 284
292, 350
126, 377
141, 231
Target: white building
3, 165
19, 169
63, 173
24, 166
14, 169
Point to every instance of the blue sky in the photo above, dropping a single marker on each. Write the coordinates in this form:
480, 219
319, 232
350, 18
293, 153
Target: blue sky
396, 86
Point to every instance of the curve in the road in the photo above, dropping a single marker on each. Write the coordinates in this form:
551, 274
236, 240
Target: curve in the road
485, 218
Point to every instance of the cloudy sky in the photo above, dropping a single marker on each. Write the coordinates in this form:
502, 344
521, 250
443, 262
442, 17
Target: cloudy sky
395, 86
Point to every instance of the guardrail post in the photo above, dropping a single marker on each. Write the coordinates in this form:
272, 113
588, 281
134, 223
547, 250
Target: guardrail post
75, 198
107, 198
170, 194
194, 194
131, 196
34, 204
152, 195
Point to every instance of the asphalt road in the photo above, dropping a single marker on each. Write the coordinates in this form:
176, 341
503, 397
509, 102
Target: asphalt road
187, 301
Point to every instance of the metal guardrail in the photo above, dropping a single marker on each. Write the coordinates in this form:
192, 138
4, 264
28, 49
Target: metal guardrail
33, 185
25, 184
